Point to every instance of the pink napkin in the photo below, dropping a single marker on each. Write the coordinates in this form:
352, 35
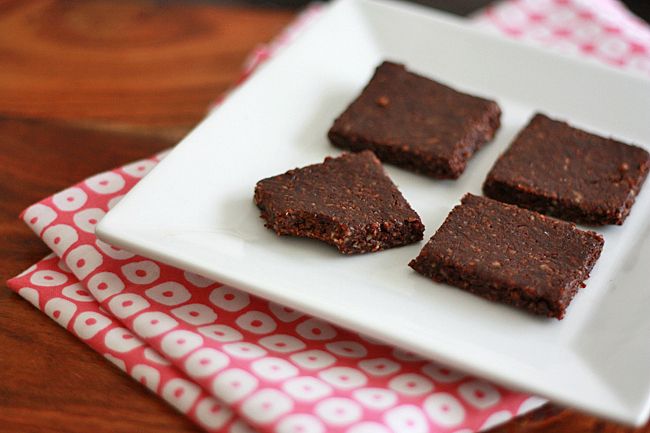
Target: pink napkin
600, 30
229, 360
275, 368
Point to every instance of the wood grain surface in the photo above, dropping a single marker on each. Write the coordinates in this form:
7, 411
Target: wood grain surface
145, 63
84, 87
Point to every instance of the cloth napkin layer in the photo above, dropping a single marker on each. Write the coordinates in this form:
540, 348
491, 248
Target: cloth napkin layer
276, 368
600, 30
52, 288
227, 359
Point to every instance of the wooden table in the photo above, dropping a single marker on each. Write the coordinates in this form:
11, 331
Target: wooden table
86, 86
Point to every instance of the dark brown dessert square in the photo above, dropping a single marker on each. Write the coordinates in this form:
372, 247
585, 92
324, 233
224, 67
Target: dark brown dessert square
348, 202
511, 255
565, 172
416, 123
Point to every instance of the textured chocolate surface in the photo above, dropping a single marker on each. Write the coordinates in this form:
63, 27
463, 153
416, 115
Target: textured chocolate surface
511, 255
348, 202
565, 172
416, 123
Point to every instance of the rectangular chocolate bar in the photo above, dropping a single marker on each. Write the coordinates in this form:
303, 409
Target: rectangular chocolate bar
511, 255
416, 123
556, 169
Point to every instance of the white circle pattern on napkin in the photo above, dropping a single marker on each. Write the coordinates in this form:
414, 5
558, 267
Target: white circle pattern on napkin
272, 362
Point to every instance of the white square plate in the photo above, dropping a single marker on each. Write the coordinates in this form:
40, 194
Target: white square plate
195, 210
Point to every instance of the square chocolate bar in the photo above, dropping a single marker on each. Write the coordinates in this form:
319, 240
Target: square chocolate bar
556, 169
510, 255
416, 123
